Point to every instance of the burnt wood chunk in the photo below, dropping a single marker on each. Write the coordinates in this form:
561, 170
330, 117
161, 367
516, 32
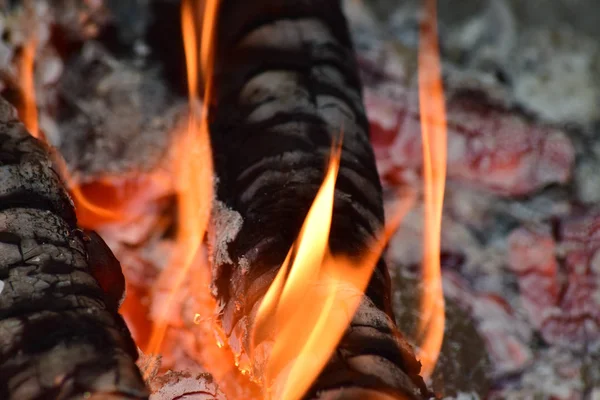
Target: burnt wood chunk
285, 86
58, 337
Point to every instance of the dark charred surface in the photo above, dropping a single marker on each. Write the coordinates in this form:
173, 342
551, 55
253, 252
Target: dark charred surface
105, 268
58, 337
286, 86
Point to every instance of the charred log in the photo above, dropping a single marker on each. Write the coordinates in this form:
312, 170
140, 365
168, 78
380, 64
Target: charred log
286, 85
61, 335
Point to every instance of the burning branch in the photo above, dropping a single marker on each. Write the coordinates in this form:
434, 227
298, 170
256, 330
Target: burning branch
61, 334
285, 86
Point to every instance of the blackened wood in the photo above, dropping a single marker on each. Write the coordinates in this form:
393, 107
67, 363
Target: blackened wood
105, 268
58, 337
286, 85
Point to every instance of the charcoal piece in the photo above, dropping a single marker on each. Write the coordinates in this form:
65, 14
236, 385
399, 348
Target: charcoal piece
286, 85
59, 339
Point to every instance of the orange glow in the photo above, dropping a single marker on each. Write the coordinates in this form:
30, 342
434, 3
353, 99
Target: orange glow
328, 286
433, 126
27, 107
135, 311
29, 115
119, 199
89, 214
193, 171
206, 48
82, 204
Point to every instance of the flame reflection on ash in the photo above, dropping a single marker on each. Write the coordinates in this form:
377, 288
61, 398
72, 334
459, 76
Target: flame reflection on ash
433, 129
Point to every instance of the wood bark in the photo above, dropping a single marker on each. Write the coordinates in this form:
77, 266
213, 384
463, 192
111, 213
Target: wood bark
285, 85
60, 334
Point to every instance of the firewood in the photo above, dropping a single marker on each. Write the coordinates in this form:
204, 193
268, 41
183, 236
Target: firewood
285, 86
61, 335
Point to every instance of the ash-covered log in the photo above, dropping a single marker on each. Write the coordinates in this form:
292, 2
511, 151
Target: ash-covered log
60, 334
285, 85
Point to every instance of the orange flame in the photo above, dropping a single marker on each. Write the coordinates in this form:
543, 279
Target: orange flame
330, 289
84, 205
433, 125
28, 107
29, 114
194, 166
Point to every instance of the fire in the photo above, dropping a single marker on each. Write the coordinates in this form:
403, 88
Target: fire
28, 107
329, 287
433, 125
29, 115
328, 284
193, 169
112, 195
89, 214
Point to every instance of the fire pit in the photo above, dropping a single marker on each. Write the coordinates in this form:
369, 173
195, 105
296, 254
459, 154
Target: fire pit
228, 166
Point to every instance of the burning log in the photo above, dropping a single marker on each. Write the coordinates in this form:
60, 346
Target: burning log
61, 334
285, 86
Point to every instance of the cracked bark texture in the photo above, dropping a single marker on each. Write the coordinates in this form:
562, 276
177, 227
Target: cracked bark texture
58, 337
286, 84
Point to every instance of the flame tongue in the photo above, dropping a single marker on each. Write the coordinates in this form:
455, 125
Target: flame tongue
28, 107
29, 115
309, 254
433, 125
194, 169
295, 285
313, 298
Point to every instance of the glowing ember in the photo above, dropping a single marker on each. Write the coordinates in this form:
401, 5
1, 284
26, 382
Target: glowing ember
433, 126
325, 284
193, 169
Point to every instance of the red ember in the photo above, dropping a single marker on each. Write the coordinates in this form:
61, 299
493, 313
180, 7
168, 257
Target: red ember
559, 279
488, 147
